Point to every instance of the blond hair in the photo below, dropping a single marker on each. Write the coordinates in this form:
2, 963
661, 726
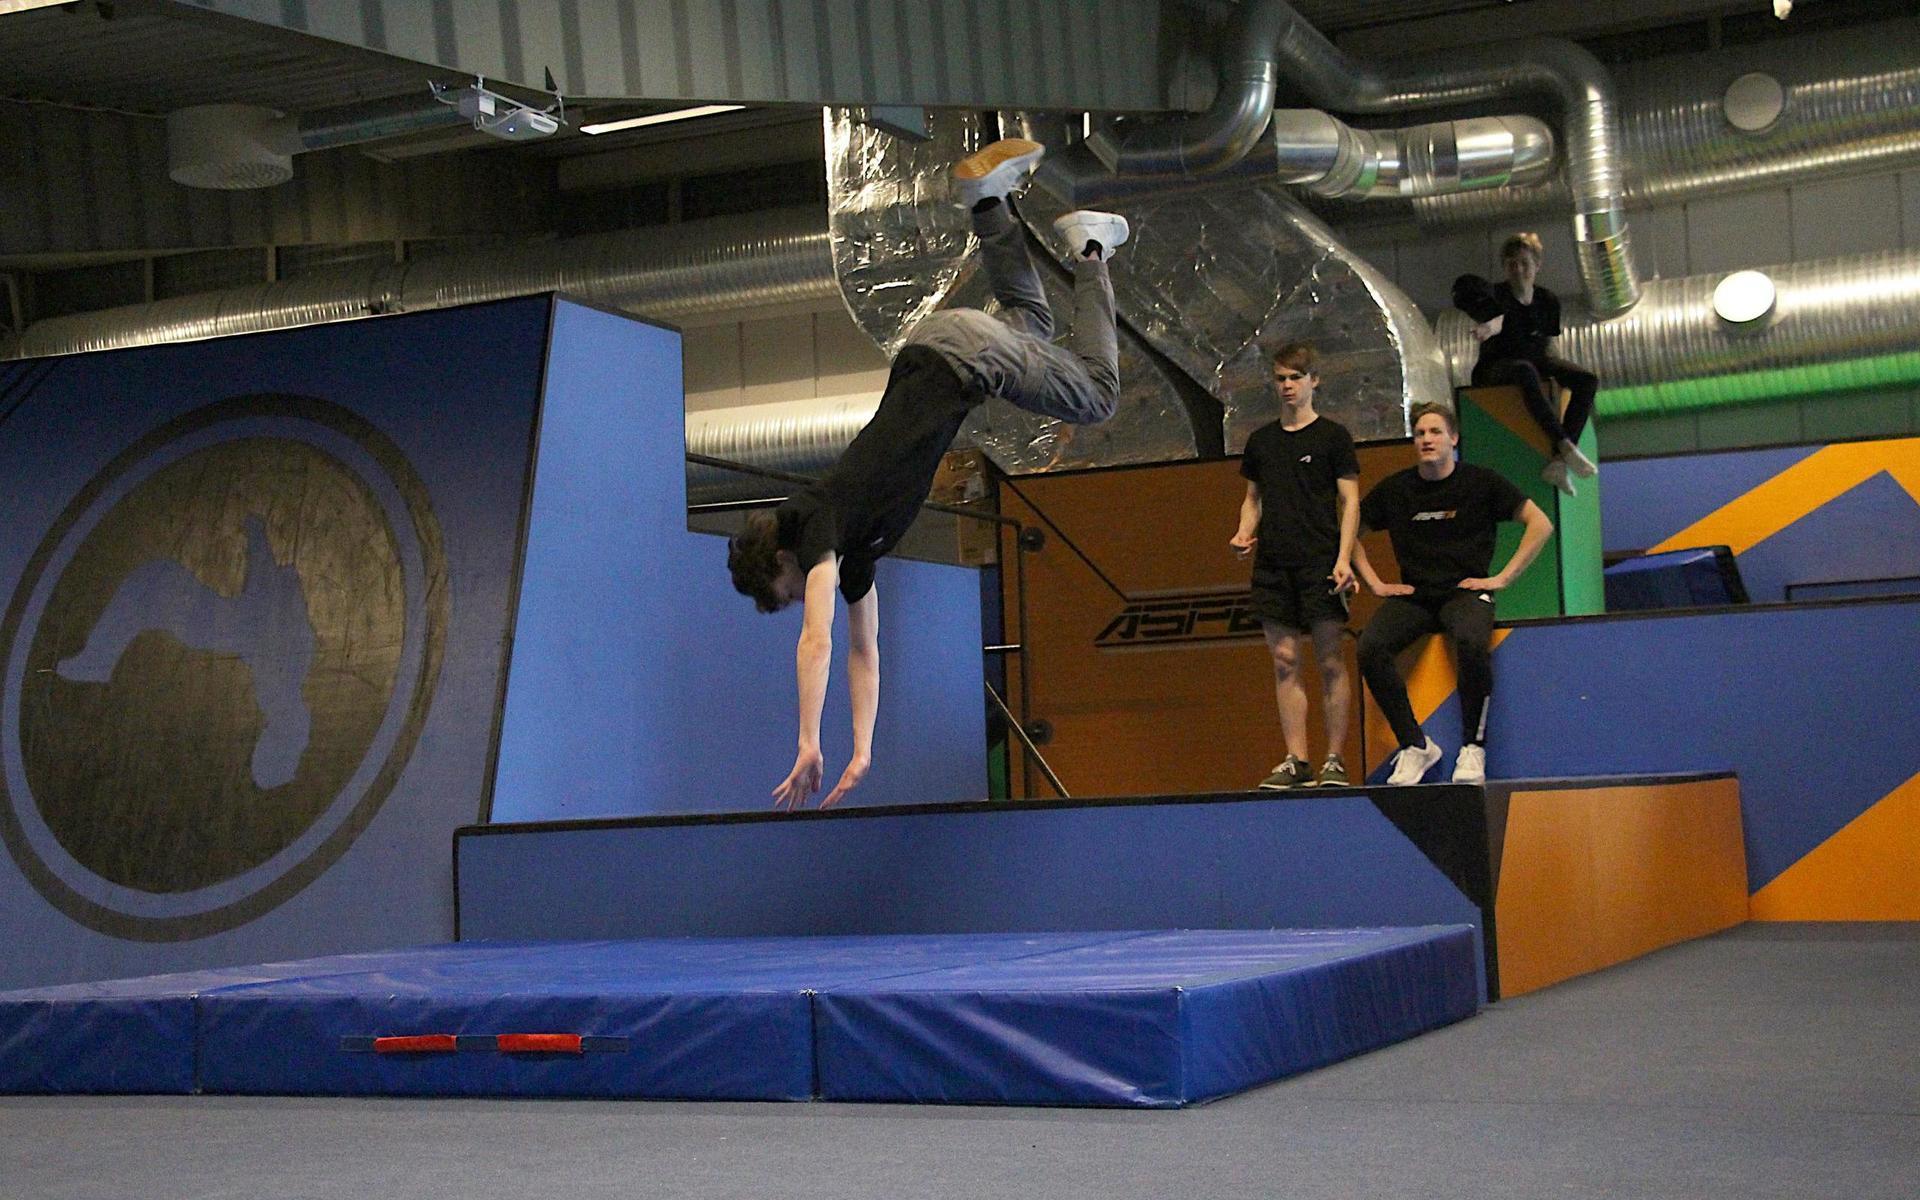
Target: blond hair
1443, 411
1528, 242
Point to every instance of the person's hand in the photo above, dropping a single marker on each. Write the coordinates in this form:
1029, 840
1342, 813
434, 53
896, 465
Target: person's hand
1343, 580
1393, 589
801, 782
1242, 543
849, 780
1481, 585
1487, 329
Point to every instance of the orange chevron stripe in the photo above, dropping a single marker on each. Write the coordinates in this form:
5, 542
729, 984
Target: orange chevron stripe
1868, 871
1800, 489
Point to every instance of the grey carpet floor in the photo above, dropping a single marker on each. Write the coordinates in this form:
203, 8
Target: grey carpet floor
1771, 1061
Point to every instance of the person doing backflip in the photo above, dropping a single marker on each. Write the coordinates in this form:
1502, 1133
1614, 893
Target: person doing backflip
1298, 522
828, 537
1441, 515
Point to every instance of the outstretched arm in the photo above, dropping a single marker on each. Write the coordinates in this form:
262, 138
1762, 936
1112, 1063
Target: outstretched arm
863, 686
1538, 527
813, 660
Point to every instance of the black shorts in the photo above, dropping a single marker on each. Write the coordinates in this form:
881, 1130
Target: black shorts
1297, 598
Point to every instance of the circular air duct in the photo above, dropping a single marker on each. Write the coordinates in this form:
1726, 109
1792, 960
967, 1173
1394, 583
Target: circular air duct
228, 147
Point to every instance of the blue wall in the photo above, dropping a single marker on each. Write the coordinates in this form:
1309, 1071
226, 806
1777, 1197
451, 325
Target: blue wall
1231, 862
154, 464
1813, 706
641, 682
1870, 530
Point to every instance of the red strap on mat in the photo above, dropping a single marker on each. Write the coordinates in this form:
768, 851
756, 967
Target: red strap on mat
538, 1043
425, 1043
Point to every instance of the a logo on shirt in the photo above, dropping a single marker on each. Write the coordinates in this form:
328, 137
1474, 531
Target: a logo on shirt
1436, 514
1178, 619
1307, 458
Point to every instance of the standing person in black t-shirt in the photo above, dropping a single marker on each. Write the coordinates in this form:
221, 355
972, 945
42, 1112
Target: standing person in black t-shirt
829, 536
1517, 321
1441, 516
1298, 522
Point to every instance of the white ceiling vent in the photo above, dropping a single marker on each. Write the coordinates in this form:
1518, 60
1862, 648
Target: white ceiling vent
229, 147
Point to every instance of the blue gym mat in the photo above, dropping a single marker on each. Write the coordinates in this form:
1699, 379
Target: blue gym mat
1157, 1018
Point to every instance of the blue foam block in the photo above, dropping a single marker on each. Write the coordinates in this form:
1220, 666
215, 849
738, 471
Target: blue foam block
1084, 1018
1156, 1020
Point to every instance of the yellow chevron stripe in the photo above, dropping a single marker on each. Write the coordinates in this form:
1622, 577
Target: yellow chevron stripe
1868, 871
1800, 489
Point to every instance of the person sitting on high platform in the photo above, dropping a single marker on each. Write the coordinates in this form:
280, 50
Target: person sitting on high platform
828, 537
1517, 320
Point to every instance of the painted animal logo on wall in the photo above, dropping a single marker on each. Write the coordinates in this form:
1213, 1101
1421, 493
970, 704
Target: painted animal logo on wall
216, 665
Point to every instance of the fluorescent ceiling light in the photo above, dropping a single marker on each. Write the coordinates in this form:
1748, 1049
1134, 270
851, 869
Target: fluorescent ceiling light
14, 6
678, 114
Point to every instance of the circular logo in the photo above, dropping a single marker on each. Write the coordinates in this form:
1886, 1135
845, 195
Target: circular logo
215, 666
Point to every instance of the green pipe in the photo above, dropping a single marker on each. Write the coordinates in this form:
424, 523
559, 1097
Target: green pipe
1779, 383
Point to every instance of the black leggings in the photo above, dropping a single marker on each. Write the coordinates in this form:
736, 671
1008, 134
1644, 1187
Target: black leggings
1526, 374
1467, 620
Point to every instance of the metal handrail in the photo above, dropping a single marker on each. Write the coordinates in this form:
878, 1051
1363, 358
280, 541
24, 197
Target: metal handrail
1017, 725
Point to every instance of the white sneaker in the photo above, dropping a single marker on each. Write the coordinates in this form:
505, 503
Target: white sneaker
1411, 763
1555, 473
996, 170
1079, 229
1577, 462
1471, 765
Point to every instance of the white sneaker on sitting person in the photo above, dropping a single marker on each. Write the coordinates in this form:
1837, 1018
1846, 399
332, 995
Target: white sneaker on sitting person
1555, 473
1470, 766
1086, 233
1577, 462
1411, 763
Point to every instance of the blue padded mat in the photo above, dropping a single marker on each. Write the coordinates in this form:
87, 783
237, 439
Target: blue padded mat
1156, 1019
1159, 1018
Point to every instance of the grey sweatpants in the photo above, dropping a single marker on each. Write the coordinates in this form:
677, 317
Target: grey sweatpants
1014, 357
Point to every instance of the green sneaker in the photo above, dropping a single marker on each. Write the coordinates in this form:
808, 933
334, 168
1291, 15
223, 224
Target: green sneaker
1333, 773
1291, 773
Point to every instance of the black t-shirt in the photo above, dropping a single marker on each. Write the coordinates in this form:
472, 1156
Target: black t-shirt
865, 504
1527, 327
1442, 530
1296, 473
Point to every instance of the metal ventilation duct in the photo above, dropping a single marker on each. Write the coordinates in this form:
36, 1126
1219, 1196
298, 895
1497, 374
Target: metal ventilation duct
1331, 158
1270, 41
676, 271
1839, 103
230, 147
1834, 324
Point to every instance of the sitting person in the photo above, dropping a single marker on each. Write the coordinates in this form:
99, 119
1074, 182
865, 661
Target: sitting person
828, 537
1441, 515
1517, 321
